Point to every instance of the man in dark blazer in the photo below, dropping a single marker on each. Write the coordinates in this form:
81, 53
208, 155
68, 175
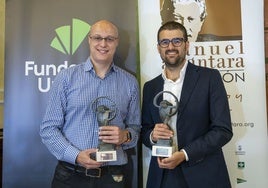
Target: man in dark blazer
202, 125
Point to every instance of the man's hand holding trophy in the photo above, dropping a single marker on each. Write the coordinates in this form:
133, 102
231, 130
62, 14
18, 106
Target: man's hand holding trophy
106, 151
164, 147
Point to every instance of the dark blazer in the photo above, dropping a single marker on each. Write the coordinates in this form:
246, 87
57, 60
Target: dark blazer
203, 127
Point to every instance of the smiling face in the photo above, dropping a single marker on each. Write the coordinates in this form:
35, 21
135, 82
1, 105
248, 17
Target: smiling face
103, 41
173, 56
189, 15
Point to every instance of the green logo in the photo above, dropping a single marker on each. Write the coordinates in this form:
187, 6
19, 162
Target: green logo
69, 37
239, 180
241, 165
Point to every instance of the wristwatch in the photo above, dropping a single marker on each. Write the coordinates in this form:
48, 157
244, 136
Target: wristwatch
128, 136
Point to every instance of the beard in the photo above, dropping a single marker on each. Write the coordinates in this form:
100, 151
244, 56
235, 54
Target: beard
173, 62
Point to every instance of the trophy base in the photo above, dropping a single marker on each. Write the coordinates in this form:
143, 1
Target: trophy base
162, 151
104, 156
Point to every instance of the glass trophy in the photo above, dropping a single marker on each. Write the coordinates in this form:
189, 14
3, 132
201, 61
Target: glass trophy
106, 151
164, 147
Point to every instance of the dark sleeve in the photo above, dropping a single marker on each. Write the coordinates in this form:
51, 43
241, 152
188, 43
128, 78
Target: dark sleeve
220, 129
147, 119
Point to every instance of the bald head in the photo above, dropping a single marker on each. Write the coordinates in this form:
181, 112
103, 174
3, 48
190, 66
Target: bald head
103, 41
104, 26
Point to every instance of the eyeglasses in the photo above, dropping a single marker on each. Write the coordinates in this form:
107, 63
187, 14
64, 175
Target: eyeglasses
99, 39
175, 41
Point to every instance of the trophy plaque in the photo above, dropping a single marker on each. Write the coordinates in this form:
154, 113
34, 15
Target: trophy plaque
106, 151
164, 147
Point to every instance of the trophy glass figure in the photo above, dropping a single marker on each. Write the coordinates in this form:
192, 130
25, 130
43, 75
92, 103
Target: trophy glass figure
164, 147
106, 151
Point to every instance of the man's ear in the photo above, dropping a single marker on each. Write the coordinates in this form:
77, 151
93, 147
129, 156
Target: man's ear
158, 48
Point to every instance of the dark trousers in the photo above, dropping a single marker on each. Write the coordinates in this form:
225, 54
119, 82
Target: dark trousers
173, 179
68, 176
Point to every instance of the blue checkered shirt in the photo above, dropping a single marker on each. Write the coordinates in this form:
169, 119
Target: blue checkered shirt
70, 123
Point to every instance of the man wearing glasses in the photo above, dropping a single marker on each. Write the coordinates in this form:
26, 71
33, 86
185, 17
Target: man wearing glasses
70, 127
201, 126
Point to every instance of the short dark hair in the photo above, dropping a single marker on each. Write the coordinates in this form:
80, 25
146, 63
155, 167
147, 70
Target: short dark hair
172, 25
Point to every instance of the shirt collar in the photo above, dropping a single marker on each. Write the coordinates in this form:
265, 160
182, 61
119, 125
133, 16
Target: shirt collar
182, 74
89, 66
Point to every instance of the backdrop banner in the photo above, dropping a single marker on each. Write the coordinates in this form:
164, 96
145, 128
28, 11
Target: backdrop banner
227, 35
42, 38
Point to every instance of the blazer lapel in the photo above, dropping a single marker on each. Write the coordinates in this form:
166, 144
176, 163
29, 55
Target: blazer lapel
190, 81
